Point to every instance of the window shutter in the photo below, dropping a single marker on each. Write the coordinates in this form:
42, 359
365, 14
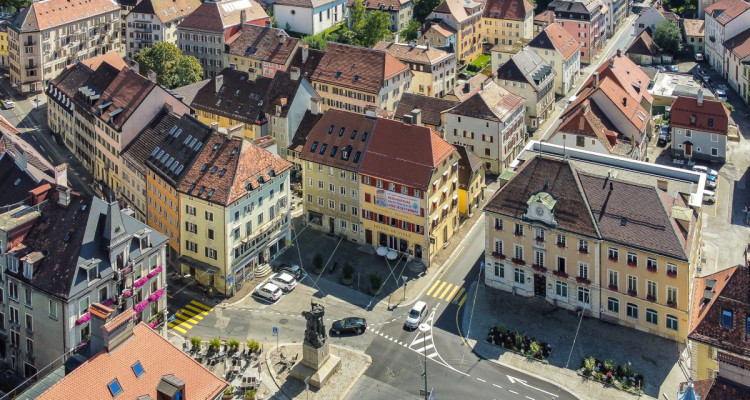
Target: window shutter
367, 197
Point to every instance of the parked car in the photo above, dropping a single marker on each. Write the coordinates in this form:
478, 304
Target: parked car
268, 291
349, 325
705, 77
8, 104
291, 269
711, 175
663, 140
709, 196
662, 68
698, 56
721, 94
285, 281
672, 68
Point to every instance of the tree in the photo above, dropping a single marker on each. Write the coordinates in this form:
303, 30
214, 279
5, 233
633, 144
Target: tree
356, 16
12, 6
411, 32
375, 28
315, 41
171, 67
668, 37
423, 8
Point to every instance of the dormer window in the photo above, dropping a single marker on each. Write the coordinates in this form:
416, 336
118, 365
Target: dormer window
28, 270
92, 273
145, 242
13, 264
692, 119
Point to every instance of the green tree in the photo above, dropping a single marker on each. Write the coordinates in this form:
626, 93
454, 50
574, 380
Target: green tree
423, 8
12, 6
356, 16
315, 42
411, 32
171, 67
668, 37
375, 28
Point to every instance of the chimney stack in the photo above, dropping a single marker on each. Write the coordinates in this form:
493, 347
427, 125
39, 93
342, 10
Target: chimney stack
268, 23
305, 53
596, 79
416, 116
61, 175
219, 82
63, 196
611, 62
700, 97
215, 126
252, 74
619, 53
108, 331
294, 73
243, 17
315, 105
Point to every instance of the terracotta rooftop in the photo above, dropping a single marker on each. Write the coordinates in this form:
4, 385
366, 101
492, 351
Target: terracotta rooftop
387, 5
229, 168
427, 55
546, 16
492, 103
167, 10
631, 109
459, 9
717, 389
112, 58
725, 11
694, 27
584, 122
44, 15
440, 28
264, 44
122, 96
157, 358
721, 309
308, 66
740, 44
357, 68
515, 10
431, 107
554, 37
622, 70
339, 139
220, 15
405, 154
712, 116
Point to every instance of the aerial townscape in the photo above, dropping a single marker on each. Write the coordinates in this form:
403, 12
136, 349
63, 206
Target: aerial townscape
375, 199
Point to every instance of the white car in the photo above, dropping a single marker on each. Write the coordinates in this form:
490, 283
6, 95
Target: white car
711, 175
8, 104
283, 280
268, 291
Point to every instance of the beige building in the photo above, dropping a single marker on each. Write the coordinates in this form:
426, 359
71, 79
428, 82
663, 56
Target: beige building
507, 21
568, 231
153, 21
695, 34
463, 17
434, 69
49, 35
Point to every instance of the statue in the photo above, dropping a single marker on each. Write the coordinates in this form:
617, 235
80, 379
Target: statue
315, 334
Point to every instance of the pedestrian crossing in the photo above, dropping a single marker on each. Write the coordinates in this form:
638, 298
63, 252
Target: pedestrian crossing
189, 316
449, 292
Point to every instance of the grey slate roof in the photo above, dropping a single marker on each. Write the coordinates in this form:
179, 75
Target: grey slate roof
15, 183
174, 155
526, 66
139, 149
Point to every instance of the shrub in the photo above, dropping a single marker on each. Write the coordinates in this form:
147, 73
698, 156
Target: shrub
214, 344
610, 366
375, 281
627, 370
589, 363
233, 344
195, 342
250, 394
348, 271
229, 391
534, 349
252, 345
318, 262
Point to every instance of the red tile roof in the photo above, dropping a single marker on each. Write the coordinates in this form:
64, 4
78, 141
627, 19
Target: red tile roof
375, 4
545, 16
124, 93
157, 356
427, 55
725, 11
220, 15
625, 103
370, 67
740, 44
558, 37
694, 27
583, 122
45, 15
718, 389
684, 108
167, 10
515, 10
731, 292
627, 75
348, 130
112, 58
264, 44
404, 153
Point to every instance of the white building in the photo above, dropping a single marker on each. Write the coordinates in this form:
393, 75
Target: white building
153, 21
724, 20
562, 52
309, 17
648, 18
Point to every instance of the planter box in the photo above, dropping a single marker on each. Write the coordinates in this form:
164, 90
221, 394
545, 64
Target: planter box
583, 280
613, 287
582, 250
651, 269
632, 293
672, 274
497, 255
539, 268
561, 274
518, 261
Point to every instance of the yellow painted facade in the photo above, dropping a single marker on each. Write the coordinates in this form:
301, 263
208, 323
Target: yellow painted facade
469, 198
331, 199
210, 239
250, 130
108, 162
422, 83
3, 46
703, 360
506, 31
344, 98
163, 208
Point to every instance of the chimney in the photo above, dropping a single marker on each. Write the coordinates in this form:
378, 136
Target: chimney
596, 79
305, 53
625, 101
611, 62
219, 82
151, 76
619, 53
234, 130
700, 97
416, 116
243, 17
294, 73
278, 110
282, 39
484, 84
268, 23
61, 175
315, 105
395, 37
108, 331
427, 45
467, 87
408, 119
662, 184
252, 74
63, 196
214, 126
371, 112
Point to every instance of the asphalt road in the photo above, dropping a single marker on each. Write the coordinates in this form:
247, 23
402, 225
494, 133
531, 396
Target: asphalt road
31, 123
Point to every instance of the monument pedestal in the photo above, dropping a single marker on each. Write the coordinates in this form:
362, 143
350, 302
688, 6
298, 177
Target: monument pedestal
317, 364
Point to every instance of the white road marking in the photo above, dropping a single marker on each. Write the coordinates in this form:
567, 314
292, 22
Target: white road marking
497, 386
433, 355
514, 392
530, 398
481, 380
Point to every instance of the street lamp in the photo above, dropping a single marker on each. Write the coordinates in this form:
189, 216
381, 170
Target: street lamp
424, 328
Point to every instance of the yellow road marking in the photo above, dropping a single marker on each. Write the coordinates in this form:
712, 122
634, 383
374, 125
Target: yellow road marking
440, 288
432, 288
185, 318
185, 325
458, 295
450, 285
450, 296
190, 314
463, 300
196, 309
177, 328
201, 305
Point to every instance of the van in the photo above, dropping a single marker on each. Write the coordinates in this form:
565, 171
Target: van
416, 315
698, 56
709, 196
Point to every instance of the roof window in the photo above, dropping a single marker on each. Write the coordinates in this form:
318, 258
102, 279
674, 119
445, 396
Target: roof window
364, 136
341, 131
214, 169
323, 148
338, 74
204, 167
356, 78
200, 192
114, 388
354, 134
330, 129
216, 146
356, 156
210, 193
313, 147
334, 149
191, 188
223, 171
138, 369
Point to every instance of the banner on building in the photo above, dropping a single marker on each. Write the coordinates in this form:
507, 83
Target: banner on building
397, 202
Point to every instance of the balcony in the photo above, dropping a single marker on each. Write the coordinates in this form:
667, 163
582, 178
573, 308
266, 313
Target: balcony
499, 256
561, 274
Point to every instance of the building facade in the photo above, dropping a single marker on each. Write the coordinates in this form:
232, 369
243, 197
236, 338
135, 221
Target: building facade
434, 69
724, 20
465, 18
309, 17
48, 36
153, 21
695, 34
584, 21
527, 75
262, 48
399, 12
507, 22
699, 128
562, 52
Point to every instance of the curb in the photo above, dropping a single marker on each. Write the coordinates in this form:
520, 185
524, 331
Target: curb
476, 349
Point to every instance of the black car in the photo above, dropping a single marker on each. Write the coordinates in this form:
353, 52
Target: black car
291, 269
351, 324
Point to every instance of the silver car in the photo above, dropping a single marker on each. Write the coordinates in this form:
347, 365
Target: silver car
268, 291
286, 282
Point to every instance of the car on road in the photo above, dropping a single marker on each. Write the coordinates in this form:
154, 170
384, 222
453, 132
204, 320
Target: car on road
349, 325
721, 94
416, 315
672, 68
268, 291
709, 196
8, 104
291, 269
663, 140
698, 56
705, 77
711, 175
286, 282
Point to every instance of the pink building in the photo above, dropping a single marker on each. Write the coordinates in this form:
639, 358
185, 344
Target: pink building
584, 20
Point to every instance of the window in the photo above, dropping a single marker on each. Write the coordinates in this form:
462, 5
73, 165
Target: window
583, 270
29, 346
561, 241
27, 296
613, 305
539, 234
651, 290
331, 204
672, 270
727, 320
671, 296
191, 246
518, 252
83, 305
209, 216
498, 246
343, 224
612, 254
190, 210
13, 317
519, 276
518, 230
498, 224
632, 310
29, 322
613, 279
331, 187
138, 369
672, 322
561, 264
584, 296
210, 234
651, 264
342, 207
52, 309
114, 388
539, 258
561, 289
191, 227
13, 291
632, 259
632, 284
652, 317
499, 270
211, 253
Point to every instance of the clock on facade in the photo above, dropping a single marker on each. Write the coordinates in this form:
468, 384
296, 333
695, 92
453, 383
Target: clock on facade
539, 211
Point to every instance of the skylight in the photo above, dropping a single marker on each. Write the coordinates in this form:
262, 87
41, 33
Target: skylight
216, 146
204, 167
330, 129
223, 171
356, 78
214, 169
354, 134
191, 188
334, 149
323, 148
138, 369
338, 74
364, 136
341, 131
356, 156
210, 193
114, 388
200, 192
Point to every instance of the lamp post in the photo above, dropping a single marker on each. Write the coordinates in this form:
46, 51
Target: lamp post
424, 328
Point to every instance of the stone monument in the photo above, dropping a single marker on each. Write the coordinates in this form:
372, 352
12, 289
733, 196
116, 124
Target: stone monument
317, 363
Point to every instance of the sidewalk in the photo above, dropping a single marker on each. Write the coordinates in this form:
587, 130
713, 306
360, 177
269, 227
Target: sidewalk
654, 357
